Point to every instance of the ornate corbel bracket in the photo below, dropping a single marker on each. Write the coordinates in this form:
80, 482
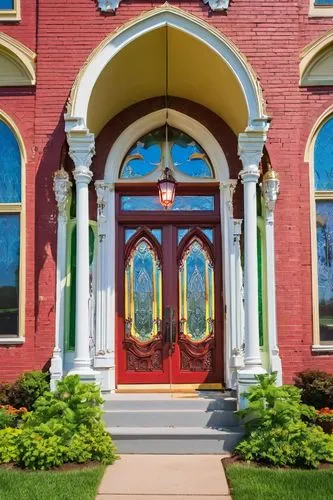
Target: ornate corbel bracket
62, 189
217, 5
108, 5
270, 189
228, 188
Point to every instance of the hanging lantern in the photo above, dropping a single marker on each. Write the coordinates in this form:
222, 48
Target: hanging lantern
167, 188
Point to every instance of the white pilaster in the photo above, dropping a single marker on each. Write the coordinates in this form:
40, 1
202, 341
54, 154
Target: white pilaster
250, 149
270, 192
105, 321
81, 150
227, 190
62, 189
238, 350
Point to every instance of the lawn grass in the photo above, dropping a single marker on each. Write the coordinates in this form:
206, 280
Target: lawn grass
259, 483
78, 484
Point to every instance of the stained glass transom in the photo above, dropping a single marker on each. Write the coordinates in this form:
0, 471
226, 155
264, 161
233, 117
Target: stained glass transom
143, 293
323, 158
183, 231
10, 166
156, 232
9, 273
196, 292
181, 203
187, 155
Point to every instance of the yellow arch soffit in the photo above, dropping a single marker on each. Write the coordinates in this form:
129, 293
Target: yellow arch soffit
11, 124
151, 13
17, 63
328, 113
315, 58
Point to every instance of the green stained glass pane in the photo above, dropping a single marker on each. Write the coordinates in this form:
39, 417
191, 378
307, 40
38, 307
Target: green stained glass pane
196, 292
72, 291
143, 292
9, 273
260, 298
324, 220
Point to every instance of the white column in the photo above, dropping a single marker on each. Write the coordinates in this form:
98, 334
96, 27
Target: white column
227, 190
62, 189
238, 351
270, 191
81, 150
250, 148
104, 355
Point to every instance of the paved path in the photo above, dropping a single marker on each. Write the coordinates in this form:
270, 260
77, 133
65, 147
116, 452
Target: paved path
165, 477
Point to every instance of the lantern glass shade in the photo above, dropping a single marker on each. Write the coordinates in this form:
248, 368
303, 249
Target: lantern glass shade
167, 190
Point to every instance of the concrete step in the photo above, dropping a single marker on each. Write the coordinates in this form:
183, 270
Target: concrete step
214, 419
174, 440
205, 401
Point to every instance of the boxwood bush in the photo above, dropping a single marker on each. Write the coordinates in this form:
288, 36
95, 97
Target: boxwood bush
280, 429
65, 426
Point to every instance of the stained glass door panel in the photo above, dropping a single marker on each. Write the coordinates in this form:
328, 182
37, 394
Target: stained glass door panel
169, 305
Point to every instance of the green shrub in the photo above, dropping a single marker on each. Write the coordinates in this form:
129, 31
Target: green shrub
7, 419
295, 445
27, 389
279, 429
316, 387
9, 445
66, 426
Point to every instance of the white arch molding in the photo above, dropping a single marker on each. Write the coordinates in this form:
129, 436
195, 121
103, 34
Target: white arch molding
155, 120
152, 20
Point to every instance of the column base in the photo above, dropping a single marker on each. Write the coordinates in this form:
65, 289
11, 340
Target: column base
246, 378
86, 373
56, 369
104, 367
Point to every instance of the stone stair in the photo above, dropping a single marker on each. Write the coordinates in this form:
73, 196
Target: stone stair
202, 423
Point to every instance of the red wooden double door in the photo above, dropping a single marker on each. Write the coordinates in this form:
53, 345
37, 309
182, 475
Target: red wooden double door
169, 300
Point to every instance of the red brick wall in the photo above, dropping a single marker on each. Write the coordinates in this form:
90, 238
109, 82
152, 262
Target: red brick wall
271, 35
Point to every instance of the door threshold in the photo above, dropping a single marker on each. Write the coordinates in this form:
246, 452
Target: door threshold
168, 388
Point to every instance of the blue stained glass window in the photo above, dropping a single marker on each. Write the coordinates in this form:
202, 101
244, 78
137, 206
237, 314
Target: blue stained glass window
182, 203
129, 232
323, 158
10, 166
6, 4
324, 224
324, 2
145, 156
9, 273
208, 231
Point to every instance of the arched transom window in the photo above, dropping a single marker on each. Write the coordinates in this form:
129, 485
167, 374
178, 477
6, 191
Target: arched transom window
323, 191
145, 156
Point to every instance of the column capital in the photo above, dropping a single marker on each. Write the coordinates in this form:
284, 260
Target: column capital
250, 150
228, 188
81, 149
62, 189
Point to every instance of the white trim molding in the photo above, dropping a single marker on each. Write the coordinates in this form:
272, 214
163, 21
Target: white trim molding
113, 5
320, 10
62, 190
174, 17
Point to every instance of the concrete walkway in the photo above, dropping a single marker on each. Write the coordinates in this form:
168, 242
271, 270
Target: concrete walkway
165, 477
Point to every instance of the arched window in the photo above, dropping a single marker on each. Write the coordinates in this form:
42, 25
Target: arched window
323, 252
10, 233
145, 156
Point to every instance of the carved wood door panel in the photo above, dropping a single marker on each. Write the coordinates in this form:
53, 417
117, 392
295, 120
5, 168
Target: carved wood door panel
169, 327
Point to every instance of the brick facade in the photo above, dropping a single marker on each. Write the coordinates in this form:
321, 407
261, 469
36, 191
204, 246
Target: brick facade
271, 35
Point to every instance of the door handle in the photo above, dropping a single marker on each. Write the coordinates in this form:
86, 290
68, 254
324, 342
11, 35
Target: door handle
170, 327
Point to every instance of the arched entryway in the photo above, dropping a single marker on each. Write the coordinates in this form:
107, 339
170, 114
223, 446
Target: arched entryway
208, 69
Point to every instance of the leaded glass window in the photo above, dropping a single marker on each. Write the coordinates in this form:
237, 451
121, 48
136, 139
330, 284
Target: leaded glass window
6, 4
187, 155
143, 292
323, 184
10, 230
196, 291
